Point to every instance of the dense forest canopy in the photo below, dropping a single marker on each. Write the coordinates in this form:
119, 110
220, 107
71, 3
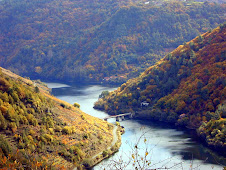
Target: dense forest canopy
187, 88
99, 40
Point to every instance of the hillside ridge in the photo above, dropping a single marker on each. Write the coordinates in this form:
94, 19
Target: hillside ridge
186, 88
103, 41
40, 131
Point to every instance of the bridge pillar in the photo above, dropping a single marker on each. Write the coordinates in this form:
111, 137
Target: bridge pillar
123, 117
117, 119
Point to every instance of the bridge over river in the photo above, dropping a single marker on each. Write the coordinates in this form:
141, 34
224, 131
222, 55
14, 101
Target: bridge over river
120, 116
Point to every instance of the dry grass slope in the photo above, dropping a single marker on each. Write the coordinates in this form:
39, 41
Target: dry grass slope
41, 131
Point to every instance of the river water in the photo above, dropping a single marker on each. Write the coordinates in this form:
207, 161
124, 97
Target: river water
167, 146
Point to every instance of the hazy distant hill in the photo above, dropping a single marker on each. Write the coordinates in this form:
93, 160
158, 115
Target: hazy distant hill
76, 40
216, 1
187, 88
38, 131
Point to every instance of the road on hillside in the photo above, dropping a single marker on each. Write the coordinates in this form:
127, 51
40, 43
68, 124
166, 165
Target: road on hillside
115, 139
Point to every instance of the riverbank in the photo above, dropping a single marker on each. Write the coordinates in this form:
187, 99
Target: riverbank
165, 141
198, 132
110, 150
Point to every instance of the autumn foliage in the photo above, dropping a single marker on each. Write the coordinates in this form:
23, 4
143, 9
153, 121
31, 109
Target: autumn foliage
187, 88
100, 41
38, 131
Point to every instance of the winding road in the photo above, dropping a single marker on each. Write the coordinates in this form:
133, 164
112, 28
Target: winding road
115, 139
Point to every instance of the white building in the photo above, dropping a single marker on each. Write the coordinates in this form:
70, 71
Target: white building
144, 103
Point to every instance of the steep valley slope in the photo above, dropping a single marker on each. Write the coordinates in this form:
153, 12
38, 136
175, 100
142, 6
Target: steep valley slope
186, 88
39, 131
98, 41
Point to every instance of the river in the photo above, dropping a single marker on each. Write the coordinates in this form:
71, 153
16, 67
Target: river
166, 146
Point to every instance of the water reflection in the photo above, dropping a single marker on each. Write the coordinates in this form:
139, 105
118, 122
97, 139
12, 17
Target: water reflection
168, 146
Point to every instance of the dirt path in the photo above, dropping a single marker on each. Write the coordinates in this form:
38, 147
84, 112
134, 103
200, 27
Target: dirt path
115, 139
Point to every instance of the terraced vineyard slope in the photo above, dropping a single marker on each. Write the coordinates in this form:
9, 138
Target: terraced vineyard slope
39, 131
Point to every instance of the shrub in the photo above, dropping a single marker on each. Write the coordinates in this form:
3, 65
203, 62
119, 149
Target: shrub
172, 117
106, 93
34, 122
87, 163
83, 117
105, 153
63, 105
73, 129
67, 130
13, 126
23, 119
32, 132
49, 122
76, 151
65, 154
30, 118
21, 145
1, 102
110, 127
15, 97
58, 129
85, 136
31, 111
51, 130
4, 97
43, 139
81, 143
117, 124
99, 136
10, 115
3, 122
30, 138
37, 89
48, 138
3, 109
76, 105
114, 148
4, 145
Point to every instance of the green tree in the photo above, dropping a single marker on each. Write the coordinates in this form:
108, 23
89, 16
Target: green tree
104, 94
37, 89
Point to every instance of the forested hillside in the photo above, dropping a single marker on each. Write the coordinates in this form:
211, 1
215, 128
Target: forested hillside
96, 41
187, 88
38, 131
